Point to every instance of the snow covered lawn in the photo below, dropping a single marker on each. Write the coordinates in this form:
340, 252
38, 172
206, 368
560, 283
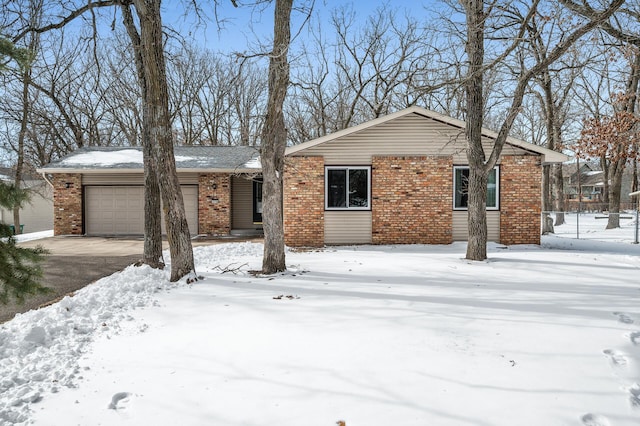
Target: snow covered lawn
370, 335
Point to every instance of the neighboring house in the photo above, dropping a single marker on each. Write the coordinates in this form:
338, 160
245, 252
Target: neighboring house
397, 179
590, 182
37, 214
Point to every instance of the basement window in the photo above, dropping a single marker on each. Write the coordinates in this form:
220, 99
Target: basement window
461, 188
347, 188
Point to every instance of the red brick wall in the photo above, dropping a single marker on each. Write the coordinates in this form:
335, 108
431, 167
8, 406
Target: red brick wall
520, 199
412, 200
214, 204
304, 202
67, 204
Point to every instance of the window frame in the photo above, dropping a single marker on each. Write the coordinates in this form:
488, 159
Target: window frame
346, 169
497, 206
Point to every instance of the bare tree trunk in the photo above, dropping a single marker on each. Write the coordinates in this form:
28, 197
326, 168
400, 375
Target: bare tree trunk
547, 180
478, 174
604, 163
558, 194
24, 121
152, 254
634, 178
274, 141
35, 11
620, 162
614, 195
547, 207
159, 125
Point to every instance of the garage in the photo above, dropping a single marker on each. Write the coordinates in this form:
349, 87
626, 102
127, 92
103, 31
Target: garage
119, 210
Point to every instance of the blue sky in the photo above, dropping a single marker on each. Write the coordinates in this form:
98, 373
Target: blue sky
244, 26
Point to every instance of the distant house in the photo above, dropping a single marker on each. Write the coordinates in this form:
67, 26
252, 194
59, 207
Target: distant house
37, 215
590, 182
398, 179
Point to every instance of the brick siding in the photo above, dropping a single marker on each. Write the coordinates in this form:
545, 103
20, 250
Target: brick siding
67, 204
520, 195
412, 200
303, 198
214, 204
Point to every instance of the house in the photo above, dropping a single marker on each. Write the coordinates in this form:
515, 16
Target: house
397, 179
590, 182
401, 179
37, 214
99, 190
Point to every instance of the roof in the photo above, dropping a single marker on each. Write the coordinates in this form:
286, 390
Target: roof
232, 159
549, 156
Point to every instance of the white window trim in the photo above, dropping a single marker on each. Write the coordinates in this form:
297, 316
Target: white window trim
347, 168
497, 207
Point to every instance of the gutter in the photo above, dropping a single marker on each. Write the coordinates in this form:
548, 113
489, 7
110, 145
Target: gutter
125, 171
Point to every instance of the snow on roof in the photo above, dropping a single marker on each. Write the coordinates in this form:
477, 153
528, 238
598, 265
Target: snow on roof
254, 163
593, 172
102, 158
130, 158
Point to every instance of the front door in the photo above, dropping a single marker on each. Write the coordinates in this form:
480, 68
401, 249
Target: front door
257, 200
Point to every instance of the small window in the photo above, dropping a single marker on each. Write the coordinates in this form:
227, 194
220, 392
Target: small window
461, 188
347, 188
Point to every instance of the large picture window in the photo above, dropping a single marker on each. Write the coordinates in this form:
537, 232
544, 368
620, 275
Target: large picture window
347, 188
461, 188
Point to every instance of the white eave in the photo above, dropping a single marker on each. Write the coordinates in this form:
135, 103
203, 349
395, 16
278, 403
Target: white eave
548, 156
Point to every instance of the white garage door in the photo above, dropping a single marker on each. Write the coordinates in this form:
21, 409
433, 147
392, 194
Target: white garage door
119, 210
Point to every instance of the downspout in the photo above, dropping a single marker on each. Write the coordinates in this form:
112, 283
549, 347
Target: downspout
44, 176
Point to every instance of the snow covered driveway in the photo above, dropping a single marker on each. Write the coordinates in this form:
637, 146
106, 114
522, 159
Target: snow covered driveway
403, 335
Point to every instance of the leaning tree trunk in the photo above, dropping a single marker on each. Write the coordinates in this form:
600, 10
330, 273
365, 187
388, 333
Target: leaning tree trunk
274, 141
178, 237
152, 254
478, 173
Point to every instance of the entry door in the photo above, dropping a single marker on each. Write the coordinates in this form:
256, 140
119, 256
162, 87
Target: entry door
257, 200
